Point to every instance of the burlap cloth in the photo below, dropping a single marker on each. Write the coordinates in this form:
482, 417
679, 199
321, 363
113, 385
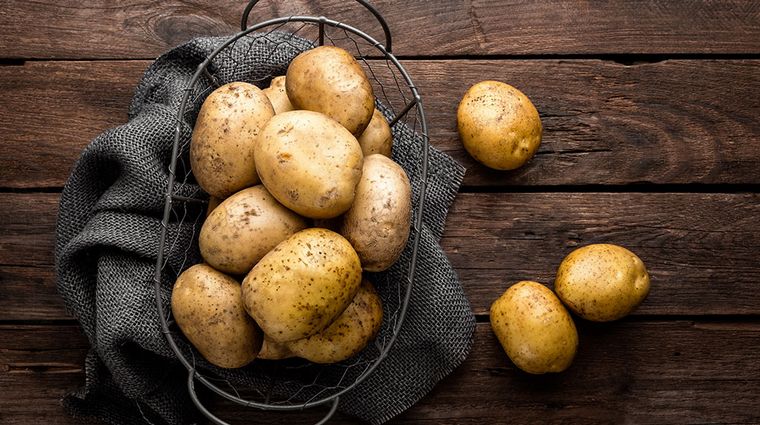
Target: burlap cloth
107, 243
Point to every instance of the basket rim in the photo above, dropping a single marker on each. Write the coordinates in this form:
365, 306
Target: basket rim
170, 198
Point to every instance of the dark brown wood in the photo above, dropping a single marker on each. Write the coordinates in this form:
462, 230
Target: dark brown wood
28, 293
635, 372
681, 121
701, 249
27, 229
38, 365
102, 29
50, 111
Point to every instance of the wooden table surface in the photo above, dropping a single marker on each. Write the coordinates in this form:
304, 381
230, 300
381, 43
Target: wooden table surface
651, 113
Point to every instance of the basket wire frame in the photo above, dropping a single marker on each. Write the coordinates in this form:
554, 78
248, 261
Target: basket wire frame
181, 206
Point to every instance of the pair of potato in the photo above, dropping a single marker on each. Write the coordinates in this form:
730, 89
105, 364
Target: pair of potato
211, 310
600, 282
284, 159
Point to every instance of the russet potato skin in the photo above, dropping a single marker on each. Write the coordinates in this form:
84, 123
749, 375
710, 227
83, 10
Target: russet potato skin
377, 137
208, 307
277, 95
243, 228
221, 150
534, 328
602, 282
498, 125
378, 222
309, 162
348, 334
329, 80
302, 285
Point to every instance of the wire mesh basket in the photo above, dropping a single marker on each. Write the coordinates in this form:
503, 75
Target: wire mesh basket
293, 384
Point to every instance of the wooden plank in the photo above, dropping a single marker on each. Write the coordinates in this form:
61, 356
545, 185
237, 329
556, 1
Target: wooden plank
625, 372
50, 111
681, 121
27, 230
28, 293
701, 249
102, 29
38, 365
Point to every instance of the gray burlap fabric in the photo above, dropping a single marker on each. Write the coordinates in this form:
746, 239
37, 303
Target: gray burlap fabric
107, 242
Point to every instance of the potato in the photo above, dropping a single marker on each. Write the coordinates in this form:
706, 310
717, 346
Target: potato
221, 150
377, 137
271, 350
309, 162
534, 328
302, 285
602, 282
243, 228
348, 334
329, 80
277, 95
377, 225
208, 307
498, 125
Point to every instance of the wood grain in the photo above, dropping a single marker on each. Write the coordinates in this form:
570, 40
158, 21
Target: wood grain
701, 249
625, 372
674, 122
131, 29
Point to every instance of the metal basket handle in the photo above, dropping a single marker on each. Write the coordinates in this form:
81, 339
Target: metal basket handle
366, 4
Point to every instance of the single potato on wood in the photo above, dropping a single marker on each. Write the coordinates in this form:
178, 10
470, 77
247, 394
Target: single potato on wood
208, 307
221, 150
602, 282
310, 163
277, 95
534, 328
348, 334
329, 80
498, 125
377, 137
302, 285
377, 224
244, 228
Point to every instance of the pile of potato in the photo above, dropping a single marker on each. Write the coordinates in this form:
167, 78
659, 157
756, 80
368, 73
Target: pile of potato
304, 198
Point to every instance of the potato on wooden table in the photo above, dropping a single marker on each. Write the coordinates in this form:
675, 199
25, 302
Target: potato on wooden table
534, 328
602, 282
498, 125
